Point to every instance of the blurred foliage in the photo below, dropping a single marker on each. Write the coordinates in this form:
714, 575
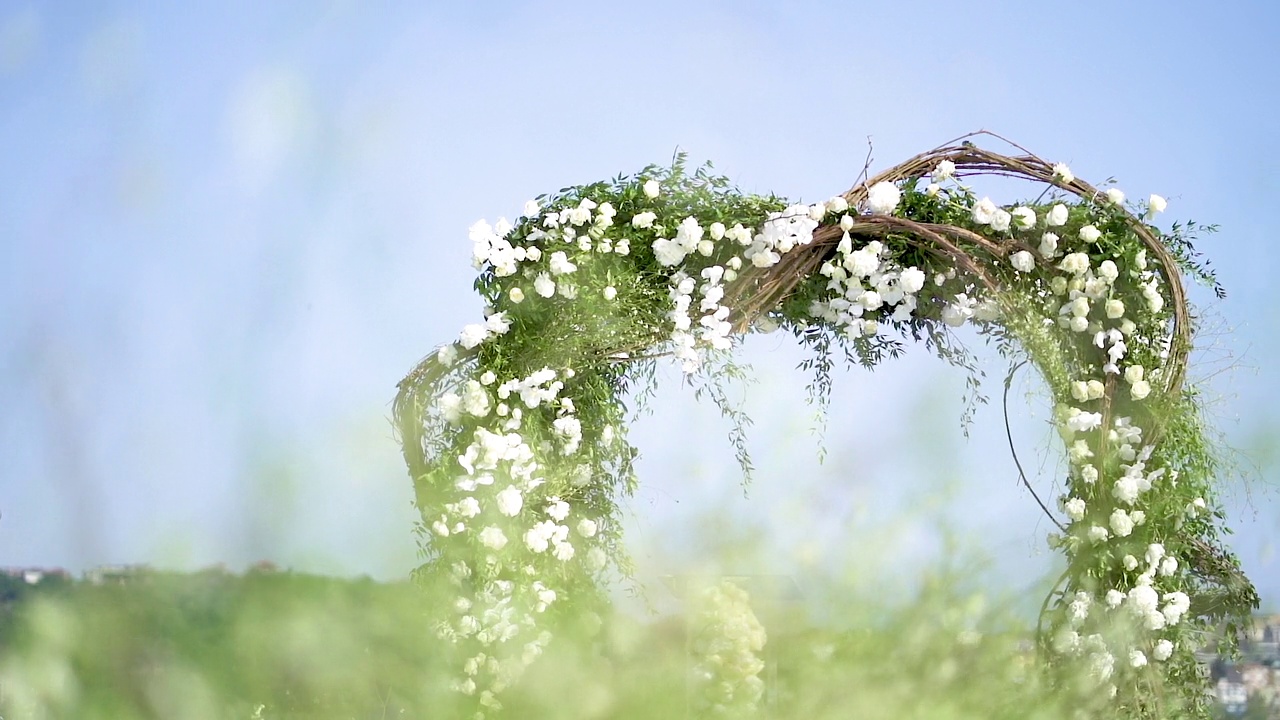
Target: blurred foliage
286, 645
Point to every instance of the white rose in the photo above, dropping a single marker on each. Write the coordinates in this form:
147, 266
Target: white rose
493, 538
883, 197
1140, 389
651, 188
643, 220
1089, 233
610, 292
846, 223
1115, 309
717, 230
587, 527
1134, 373
1163, 651
1023, 261
984, 211
510, 501
1024, 217
1115, 196
1057, 216
1000, 220
472, 335
1063, 173
1156, 204
531, 208
837, 204
516, 295
946, 169
1121, 524
1048, 245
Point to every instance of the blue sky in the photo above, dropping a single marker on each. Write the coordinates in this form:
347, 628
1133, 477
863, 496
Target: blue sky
227, 231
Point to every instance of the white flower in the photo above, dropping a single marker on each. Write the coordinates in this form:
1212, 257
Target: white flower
932, 189
563, 552
468, 507
1048, 245
1075, 508
1177, 605
1154, 554
651, 188
1126, 490
945, 170
447, 355
669, 252
883, 197
544, 285
558, 509
1075, 263
1024, 218
644, 219
1108, 271
984, 211
1089, 233
1137, 658
1098, 534
510, 501
1121, 523
846, 223
717, 230
587, 527
1130, 563
1134, 373
836, 204
1063, 173
1139, 390
1083, 421
1155, 205
1057, 216
475, 401
560, 264
1163, 651
472, 335
531, 208
1023, 261
498, 323
610, 292
911, 280
1115, 309
516, 295
493, 538
1169, 565
1000, 220
1114, 598
1115, 196
1078, 453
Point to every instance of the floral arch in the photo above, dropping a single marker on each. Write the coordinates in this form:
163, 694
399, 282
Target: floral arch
516, 439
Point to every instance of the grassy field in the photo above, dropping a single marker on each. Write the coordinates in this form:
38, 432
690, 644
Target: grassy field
284, 645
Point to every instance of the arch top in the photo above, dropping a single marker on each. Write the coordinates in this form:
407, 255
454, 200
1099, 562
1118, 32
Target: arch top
515, 434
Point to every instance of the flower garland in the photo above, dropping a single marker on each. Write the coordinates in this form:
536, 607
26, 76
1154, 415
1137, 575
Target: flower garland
516, 436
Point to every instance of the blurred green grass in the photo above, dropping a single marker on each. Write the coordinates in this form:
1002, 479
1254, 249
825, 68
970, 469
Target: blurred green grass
287, 645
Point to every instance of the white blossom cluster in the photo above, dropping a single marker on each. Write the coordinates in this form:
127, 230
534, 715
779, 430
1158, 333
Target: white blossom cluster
727, 639
496, 493
1094, 298
862, 282
781, 232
